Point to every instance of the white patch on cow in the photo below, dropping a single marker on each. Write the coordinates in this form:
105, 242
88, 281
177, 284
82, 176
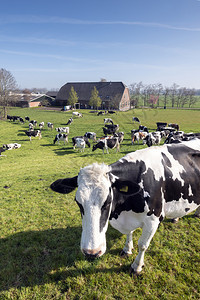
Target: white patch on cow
93, 190
190, 193
148, 156
177, 209
129, 220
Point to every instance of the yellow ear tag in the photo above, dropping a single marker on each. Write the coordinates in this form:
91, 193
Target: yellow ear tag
124, 189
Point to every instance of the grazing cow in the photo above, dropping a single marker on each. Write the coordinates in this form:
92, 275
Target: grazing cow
33, 133
31, 126
80, 143
63, 129
74, 141
91, 135
111, 112
160, 125
77, 114
9, 117
110, 129
153, 138
50, 125
11, 146
108, 120
143, 128
137, 136
15, 118
61, 137
27, 119
34, 122
112, 142
174, 125
120, 136
70, 121
41, 125
100, 113
135, 119
137, 191
21, 120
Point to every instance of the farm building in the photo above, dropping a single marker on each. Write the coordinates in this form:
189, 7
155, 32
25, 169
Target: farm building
114, 95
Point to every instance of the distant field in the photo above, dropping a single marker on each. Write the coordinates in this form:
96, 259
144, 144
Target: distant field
41, 230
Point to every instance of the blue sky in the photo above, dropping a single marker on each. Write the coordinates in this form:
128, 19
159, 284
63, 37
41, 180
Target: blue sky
45, 44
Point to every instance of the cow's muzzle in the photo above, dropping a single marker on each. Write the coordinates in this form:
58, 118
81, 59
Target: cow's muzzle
92, 254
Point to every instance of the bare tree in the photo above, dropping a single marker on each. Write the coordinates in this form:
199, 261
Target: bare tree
192, 98
166, 92
7, 86
135, 92
173, 93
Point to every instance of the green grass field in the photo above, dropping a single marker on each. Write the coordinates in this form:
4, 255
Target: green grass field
40, 255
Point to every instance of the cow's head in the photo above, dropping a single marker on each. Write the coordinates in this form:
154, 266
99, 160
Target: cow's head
94, 196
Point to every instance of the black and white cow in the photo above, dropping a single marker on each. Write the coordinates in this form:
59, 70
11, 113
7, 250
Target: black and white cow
11, 146
77, 114
50, 125
135, 119
63, 129
61, 137
69, 121
108, 120
27, 119
106, 143
34, 122
137, 191
153, 138
75, 138
33, 133
41, 125
91, 135
110, 129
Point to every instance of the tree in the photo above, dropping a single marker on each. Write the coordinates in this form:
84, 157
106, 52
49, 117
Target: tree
95, 100
73, 97
7, 85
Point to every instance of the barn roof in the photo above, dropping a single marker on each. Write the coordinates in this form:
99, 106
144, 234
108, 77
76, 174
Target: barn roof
107, 90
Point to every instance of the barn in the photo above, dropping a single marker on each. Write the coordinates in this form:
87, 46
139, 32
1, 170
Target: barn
114, 95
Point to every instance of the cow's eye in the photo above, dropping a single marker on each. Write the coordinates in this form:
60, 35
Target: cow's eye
81, 208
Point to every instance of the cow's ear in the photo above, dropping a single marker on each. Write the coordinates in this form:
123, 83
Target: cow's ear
126, 187
64, 186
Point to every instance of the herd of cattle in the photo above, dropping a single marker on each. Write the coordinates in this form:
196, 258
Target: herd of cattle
112, 137
137, 191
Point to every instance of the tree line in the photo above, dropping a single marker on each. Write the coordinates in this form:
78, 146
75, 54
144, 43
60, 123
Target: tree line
155, 95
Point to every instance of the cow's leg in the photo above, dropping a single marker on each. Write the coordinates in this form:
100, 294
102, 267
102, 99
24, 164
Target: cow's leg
148, 232
127, 250
197, 212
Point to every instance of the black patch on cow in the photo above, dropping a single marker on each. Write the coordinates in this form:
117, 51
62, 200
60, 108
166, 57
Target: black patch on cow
187, 209
105, 211
64, 186
190, 160
166, 161
137, 173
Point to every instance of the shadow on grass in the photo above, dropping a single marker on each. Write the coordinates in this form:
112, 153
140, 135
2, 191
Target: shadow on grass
33, 258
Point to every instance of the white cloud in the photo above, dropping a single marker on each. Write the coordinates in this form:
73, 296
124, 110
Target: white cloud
31, 19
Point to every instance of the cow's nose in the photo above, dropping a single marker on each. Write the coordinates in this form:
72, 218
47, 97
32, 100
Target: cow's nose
91, 254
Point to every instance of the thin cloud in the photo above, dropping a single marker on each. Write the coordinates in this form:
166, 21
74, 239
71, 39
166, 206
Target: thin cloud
58, 20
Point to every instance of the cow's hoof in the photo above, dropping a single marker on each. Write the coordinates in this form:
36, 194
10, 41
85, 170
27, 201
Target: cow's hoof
124, 254
134, 273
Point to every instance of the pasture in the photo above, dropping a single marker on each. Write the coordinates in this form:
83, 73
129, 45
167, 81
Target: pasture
40, 230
